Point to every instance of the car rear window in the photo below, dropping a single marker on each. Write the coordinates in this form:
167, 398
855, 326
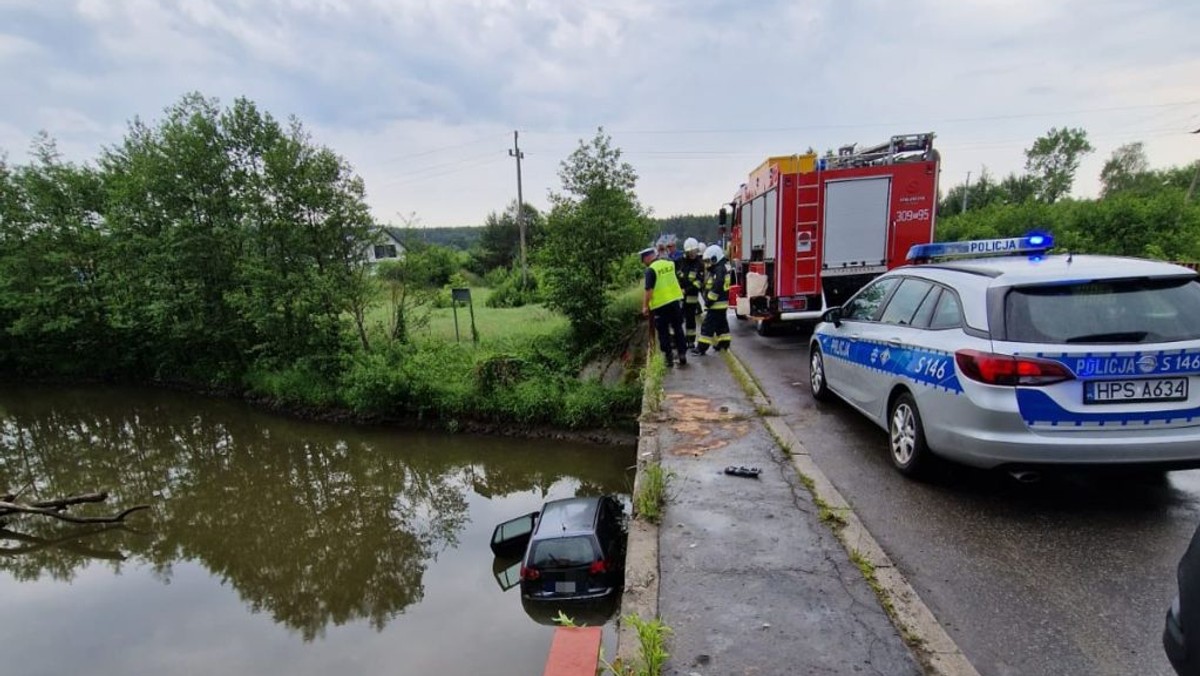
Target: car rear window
561, 552
1107, 311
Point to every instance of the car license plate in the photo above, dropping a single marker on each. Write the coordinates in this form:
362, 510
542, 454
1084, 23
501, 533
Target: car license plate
1134, 391
564, 587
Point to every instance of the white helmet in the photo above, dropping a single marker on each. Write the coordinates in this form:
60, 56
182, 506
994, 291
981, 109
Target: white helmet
690, 245
713, 253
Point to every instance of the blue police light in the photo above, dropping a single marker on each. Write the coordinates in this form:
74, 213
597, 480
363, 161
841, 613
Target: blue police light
1033, 243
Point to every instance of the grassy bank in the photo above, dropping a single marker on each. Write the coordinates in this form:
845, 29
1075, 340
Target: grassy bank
524, 371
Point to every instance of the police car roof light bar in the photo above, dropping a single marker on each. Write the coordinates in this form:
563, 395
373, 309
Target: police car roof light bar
1035, 243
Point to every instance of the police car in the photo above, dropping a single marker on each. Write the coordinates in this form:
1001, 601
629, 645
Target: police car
993, 354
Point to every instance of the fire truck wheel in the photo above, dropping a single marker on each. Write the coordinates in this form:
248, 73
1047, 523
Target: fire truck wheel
816, 375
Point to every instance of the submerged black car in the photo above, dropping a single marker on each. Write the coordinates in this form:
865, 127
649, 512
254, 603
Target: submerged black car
1181, 636
576, 550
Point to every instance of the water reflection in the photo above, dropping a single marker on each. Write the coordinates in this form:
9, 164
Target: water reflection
310, 524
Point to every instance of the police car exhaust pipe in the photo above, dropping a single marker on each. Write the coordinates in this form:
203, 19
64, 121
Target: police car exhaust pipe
1026, 476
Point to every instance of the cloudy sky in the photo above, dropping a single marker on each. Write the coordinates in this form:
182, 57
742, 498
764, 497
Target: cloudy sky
422, 96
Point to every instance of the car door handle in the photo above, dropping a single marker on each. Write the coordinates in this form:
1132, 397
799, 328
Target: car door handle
894, 342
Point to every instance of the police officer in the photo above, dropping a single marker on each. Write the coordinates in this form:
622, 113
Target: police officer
664, 298
690, 270
714, 332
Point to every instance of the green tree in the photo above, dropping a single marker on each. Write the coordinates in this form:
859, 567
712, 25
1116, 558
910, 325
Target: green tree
1125, 169
1019, 188
52, 314
500, 241
1054, 158
595, 224
235, 240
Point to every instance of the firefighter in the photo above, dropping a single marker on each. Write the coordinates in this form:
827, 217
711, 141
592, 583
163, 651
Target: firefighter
715, 330
690, 270
665, 299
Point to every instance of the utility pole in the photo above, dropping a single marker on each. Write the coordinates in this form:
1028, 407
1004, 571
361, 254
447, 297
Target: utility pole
966, 192
516, 152
1195, 176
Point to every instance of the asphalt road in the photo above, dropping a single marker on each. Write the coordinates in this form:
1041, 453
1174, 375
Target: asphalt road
1072, 575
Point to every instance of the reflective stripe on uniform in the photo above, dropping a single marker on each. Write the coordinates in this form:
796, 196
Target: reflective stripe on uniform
723, 305
706, 340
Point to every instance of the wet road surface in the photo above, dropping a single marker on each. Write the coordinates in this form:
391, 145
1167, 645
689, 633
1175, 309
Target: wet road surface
1072, 575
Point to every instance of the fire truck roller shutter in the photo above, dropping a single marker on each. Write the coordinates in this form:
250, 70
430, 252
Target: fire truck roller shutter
856, 222
770, 224
747, 225
760, 220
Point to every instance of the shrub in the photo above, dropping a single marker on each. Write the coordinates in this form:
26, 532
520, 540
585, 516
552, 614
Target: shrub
300, 383
509, 291
375, 385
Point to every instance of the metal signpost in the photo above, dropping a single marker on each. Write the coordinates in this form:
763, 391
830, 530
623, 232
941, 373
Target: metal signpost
463, 296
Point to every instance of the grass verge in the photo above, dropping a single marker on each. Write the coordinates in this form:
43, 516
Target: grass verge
656, 371
652, 649
651, 495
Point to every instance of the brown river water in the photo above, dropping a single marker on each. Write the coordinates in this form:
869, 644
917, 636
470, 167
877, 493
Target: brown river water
272, 546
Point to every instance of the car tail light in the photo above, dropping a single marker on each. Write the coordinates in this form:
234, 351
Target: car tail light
530, 573
1003, 369
597, 567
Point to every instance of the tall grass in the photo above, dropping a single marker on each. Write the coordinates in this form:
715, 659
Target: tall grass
651, 495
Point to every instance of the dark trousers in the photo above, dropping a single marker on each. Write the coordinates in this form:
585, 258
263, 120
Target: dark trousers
691, 310
714, 332
668, 320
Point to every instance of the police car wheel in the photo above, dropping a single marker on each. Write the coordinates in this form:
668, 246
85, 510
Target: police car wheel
816, 375
906, 438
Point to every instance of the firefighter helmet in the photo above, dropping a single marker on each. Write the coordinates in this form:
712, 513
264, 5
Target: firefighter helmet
690, 245
713, 253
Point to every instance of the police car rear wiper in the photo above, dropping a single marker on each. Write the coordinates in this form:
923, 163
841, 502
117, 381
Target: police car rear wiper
1116, 337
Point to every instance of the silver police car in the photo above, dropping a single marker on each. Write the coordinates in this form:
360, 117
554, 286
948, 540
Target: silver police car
1020, 359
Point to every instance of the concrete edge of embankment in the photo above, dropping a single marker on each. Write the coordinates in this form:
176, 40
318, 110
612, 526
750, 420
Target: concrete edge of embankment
640, 596
938, 653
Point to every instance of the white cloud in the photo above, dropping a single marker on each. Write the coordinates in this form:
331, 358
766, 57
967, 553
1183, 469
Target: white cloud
421, 96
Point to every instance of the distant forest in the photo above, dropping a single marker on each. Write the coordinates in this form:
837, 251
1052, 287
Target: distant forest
702, 227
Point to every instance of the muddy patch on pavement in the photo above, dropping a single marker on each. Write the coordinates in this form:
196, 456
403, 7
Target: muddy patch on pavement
703, 426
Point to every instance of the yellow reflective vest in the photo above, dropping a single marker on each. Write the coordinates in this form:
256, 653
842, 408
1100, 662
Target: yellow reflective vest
666, 284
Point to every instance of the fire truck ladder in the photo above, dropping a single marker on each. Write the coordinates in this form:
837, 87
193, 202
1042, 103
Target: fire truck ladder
808, 219
905, 147
902, 148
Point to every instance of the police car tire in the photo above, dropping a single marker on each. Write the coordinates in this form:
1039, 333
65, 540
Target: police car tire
920, 463
819, 386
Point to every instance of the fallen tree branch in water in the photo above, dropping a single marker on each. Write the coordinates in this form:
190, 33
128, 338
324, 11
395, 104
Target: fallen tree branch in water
57, 508
72, 543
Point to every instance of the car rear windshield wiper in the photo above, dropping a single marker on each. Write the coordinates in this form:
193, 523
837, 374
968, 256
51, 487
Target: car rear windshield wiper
1116, 337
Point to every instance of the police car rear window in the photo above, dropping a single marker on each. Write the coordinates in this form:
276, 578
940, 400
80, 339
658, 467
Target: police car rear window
1106, 311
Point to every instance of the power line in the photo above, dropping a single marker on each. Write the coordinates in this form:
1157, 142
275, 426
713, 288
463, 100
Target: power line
461, 166
431, 151
922, 123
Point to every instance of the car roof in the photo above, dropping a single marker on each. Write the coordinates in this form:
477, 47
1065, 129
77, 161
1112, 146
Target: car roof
1021, 270
568, 516
972, 277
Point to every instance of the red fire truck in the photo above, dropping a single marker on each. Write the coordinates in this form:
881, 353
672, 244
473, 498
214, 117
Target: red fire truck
809, 231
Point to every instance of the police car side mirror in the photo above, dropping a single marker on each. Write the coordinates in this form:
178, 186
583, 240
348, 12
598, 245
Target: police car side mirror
833, 315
